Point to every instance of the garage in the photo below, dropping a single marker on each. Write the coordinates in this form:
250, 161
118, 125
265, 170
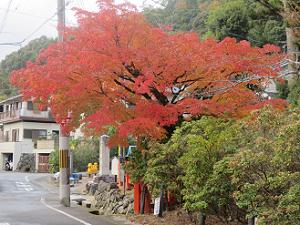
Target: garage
7, 158
43, 162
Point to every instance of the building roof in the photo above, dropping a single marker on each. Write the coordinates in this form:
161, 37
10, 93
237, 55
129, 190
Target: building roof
11, 99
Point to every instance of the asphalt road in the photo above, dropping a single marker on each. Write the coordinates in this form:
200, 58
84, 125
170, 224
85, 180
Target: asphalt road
26, 199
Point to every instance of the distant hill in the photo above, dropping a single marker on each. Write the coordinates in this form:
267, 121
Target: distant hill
17, 60
241, 19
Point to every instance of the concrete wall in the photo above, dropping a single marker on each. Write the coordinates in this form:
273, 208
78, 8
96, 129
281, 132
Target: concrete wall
42, 126
25, 145
9, 127
34, 113
45, 144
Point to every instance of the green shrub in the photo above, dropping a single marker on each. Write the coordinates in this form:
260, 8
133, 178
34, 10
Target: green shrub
84, 151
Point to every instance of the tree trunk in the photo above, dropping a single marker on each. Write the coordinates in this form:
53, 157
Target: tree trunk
251, 221
202, 218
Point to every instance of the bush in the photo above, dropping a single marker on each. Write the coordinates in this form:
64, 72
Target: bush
232, 169
188, 167
84, 151
267, 172
54, 161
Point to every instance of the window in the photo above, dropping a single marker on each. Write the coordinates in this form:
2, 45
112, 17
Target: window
55, 133
6, 138
15, 135
29, 105
34, 133
27, 134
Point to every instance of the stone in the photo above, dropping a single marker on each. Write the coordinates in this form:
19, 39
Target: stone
108, 211
86, 204
129, 209
103, 186
126, 202
101, 211
121, 210
26, 162
107, 178
88, 186
108, 200
112, 186
93, 188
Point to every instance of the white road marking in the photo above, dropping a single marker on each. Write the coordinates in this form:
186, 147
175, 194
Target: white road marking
62, 212
22, 186
26, 179
4, 223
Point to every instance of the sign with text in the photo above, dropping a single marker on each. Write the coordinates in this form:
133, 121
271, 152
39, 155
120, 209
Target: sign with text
156, 206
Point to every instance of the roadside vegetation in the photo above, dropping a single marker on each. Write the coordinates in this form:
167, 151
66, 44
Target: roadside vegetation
85, 151
182, 82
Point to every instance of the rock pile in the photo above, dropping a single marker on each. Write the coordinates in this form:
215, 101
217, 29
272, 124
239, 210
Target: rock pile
26, 162
108, 199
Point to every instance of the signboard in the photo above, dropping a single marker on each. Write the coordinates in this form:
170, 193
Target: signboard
115, 166
156, 206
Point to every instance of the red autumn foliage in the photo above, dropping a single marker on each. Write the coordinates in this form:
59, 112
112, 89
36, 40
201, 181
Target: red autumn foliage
116, 69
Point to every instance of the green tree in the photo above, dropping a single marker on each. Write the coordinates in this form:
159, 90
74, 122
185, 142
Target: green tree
189, 166
54, 161
182, 15
163, 169
229, 19
84, 151
283, 89
17, 60
294, 93
209, 141
245, 20
266, 171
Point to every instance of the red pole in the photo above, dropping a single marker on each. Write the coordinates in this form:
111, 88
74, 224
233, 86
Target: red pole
127, 181
137, 198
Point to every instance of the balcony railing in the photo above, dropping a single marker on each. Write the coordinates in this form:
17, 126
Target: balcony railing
10, 115
24, 113
46, 142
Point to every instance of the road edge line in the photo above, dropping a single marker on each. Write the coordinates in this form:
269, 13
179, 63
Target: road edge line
62, 212
27, 179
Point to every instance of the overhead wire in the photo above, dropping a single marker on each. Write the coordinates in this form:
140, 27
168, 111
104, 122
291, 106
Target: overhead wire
44, 23
19, 43
24, 13
5, 16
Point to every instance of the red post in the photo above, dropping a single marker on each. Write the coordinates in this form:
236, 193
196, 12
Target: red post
127, 181
137, 198
171, 200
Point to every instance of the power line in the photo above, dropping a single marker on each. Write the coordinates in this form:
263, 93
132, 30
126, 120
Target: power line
19, 43
44, 23
12, 43
5, 16
24, 13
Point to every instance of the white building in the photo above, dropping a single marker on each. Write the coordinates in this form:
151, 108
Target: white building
25, 129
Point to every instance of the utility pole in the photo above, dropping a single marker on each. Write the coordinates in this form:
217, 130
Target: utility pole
64, 166
61, 19
292, 21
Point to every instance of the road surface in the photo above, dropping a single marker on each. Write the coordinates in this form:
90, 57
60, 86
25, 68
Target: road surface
26, 199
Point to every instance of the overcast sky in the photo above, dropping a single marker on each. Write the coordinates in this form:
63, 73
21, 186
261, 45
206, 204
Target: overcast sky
24, 17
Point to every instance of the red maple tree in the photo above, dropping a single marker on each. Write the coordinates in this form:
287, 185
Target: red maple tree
116, 69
